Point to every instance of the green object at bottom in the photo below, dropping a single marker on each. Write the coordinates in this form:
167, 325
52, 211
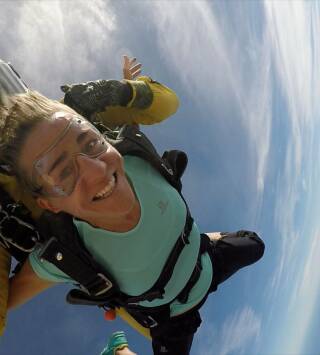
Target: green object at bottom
117, 341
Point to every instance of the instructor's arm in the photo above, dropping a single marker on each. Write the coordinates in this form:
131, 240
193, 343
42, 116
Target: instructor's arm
25, 285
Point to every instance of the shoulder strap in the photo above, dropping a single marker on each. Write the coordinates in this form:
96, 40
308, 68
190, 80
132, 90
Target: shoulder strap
129, 140
64, 249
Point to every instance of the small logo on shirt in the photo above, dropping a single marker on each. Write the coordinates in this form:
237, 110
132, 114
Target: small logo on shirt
163, 206
163, 349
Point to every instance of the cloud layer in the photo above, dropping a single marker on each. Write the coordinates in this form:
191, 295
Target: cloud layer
56, 41
247, 75
240, 329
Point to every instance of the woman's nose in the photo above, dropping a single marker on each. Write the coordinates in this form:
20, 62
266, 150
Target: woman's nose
90, 167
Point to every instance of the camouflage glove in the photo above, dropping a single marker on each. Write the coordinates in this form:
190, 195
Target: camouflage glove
95, 96
117, 341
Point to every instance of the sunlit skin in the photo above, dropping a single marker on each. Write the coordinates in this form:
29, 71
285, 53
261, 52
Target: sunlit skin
118, 212
125, 351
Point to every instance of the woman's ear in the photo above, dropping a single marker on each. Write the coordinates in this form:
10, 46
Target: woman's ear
47, 205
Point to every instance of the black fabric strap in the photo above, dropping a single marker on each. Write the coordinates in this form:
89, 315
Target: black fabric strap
74, 265
76, 261
17, 231
65, 250
157, 289
184, 294
131, 141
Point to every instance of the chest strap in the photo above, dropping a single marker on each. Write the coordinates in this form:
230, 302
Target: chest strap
184, 294
64, 249
17, 232
97, 286
147, 316
157, 290
75, 260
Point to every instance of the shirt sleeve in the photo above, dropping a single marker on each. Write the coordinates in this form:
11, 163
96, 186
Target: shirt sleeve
114, 103
151, 102
46, 270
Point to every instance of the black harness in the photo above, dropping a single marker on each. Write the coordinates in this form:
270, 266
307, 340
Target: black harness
17, 231
59, 237
65, 250
60, 243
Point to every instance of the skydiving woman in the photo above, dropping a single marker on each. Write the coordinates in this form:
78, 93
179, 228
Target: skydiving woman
121, 205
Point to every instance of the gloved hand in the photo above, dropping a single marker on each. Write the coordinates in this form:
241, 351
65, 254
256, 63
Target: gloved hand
117, 345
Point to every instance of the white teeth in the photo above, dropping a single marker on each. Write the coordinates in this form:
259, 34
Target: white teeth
107, 190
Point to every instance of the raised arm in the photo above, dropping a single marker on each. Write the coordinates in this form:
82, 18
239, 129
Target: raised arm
113, 102
25, 285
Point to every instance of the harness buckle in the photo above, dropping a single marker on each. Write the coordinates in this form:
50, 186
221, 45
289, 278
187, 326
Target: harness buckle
7, 241
106, 281
168, 170
151, 322
184, 238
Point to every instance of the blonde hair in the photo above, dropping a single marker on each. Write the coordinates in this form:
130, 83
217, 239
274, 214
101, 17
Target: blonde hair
19, 114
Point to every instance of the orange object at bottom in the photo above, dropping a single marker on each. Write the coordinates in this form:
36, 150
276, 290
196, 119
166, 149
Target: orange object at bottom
110, 314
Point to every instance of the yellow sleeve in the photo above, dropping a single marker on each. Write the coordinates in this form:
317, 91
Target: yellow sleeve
5, 263
164, 104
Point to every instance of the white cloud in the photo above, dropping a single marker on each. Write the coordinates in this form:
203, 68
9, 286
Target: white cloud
289, 28
50, 46
239, 330
215, 69
55, 41
296, 60
303, 300
286, 53
307, 283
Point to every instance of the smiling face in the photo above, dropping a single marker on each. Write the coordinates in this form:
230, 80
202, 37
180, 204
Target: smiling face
78, 173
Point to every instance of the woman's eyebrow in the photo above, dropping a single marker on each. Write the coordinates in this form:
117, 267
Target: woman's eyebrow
81, 137
60, 159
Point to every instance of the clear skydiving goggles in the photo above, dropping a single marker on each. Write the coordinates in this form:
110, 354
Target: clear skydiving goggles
55, 173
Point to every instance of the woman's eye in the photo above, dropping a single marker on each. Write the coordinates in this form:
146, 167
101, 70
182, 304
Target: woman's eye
90, 146
66, 172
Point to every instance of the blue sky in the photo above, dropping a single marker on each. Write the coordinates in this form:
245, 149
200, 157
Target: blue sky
247, 76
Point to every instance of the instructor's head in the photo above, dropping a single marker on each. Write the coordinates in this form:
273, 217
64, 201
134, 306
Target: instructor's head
63, 160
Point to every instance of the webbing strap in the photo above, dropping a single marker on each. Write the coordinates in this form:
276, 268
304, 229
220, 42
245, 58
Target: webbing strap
151, 316
184, 294
130, 141
91, 280
147, 316
17, 232
94, 277
157, 290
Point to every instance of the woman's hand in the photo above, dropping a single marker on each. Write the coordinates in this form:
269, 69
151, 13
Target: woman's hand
131, 69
